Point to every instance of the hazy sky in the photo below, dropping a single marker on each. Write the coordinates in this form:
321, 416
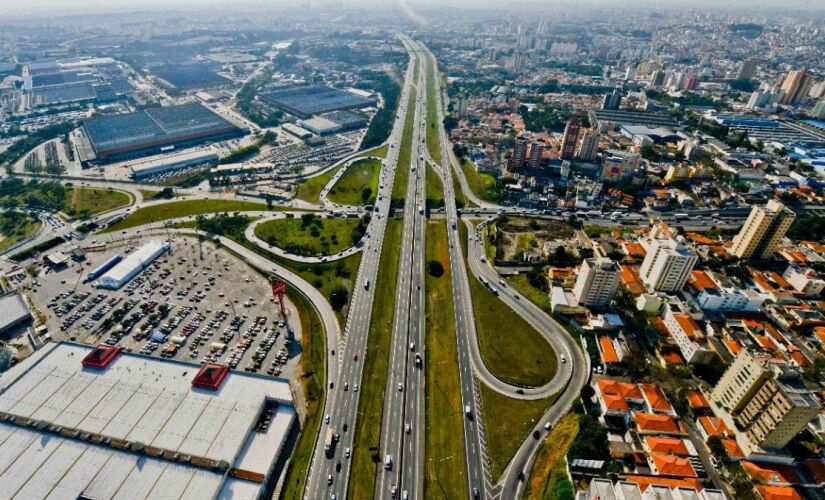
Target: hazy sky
41, 6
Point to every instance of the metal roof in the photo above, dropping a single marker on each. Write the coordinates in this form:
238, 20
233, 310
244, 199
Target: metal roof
137, 399
12, 310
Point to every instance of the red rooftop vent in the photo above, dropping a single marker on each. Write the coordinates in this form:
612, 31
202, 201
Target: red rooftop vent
210, 376
101, 356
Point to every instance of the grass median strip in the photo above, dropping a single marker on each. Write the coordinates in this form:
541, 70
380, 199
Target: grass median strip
512, 349
483, 185
176, 209
433, 145
444, 458
358, 185
507, 421
434, 189
366, 458
309, 190
402, 172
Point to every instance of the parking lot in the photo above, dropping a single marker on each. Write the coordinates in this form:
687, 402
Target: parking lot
189, 304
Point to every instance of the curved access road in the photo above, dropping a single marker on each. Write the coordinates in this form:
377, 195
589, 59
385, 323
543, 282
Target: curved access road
576, 370
306, 259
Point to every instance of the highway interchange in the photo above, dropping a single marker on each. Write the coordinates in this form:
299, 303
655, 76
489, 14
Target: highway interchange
403, 423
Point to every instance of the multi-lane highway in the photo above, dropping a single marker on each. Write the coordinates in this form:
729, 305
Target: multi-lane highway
402, 443
330, 467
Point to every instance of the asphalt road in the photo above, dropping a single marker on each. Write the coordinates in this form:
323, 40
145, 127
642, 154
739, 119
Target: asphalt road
402, 429
326, 477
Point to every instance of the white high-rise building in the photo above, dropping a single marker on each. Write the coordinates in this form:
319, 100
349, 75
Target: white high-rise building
762, 231
597, 282
667, 265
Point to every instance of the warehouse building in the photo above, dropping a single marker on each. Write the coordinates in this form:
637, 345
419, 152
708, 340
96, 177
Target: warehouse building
78, 421
153, 131
13, 313
307, 101
169, 163
129, 267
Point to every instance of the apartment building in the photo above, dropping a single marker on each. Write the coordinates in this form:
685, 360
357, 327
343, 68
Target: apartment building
689, 337
762, 231
597, 282
766, 399
667, 265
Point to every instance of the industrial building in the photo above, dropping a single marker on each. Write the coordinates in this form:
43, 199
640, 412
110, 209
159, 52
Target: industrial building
13, 312
169, 163
78, 421
126, 269
307, 101
153, 131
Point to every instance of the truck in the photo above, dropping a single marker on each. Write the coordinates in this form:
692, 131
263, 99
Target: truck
329, 442
680, 216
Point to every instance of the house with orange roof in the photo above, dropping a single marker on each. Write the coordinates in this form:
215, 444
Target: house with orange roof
631, 280
775, 474
697, 401
651, 423
656, 400
618, 398
768, 492
689, 337
610, 352
712, 426
671, 465
669, 445
633, 249
732, 448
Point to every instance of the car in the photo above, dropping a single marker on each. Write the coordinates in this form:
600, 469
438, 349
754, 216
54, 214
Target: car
355, 387
393, 491
548, 426
355, 357
326, 418
563, 358
346, 386
346, 453
329, 478
400, 386
407, 428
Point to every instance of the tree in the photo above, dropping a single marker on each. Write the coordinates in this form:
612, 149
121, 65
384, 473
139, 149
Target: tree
718, 448
435, 268
366, 193
338, 297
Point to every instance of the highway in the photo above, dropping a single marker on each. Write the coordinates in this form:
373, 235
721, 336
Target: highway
329, 473
402, 425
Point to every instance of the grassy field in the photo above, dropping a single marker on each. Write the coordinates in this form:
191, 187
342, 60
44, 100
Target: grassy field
366, 459
433, 145
176, 209
402, 173
84, 202
512, 349
538, 297
434, 189
16, 227
507, 422
312, 380
309, 190
148, 193
321, 237
460, 198
483, 185
549, 470
350, 188
444, 461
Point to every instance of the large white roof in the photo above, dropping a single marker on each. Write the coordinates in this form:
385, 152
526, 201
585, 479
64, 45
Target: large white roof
139, 399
